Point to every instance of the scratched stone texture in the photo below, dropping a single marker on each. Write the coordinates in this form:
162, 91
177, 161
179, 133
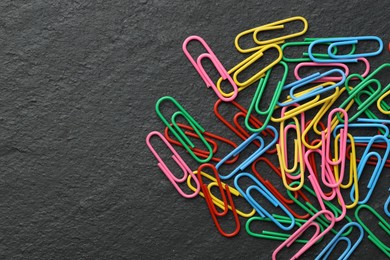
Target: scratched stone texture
79, 80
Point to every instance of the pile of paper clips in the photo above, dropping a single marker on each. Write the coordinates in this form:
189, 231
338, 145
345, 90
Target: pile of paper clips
343, 103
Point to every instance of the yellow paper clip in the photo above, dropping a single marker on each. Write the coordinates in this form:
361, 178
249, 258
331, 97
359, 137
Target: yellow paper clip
217, 202
236, 70
298, 155
381, 102
353, 178
280, 25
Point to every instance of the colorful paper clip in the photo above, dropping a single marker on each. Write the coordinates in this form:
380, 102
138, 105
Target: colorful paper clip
279, 25
267, 27
371, 236
340, 41
317, 235
259, 187
226, 201
255, 104
324, 254
209, 137
218, 65
378, 168
243, 65
178, 132
386, 206
219, 203
309, 79
180, 162
261, 150
280, 236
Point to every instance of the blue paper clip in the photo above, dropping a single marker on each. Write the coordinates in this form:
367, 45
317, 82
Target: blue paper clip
311, 78
268, 195
324, 254
261, 150
339, 41
378, 167
386, 206
363, 139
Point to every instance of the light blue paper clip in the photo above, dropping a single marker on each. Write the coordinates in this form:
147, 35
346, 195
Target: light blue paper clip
309, 79
378, 167
363, 139
324, 254
339, 41
267, 194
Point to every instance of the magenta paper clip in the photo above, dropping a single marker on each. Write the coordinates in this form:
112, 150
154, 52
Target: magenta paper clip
317, 235
318, 64
180, 162
218, 65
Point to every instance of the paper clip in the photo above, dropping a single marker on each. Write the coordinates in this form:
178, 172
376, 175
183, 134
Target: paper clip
340, 41
378, 168
218, 65
208, 136
317, 235
179, 134
255, 104
364, 139
362, 105
270, 26
279, 25
353, 178
319, 192
309, 79
386, 206
303, 107
217, 201
259, 187
298, 158
180, 162
310, 209
240, 132
324, 254
338, 161
371, 236
261, 150
239, 68
285, 201
380, 103
317, 64
280, 236
226, 202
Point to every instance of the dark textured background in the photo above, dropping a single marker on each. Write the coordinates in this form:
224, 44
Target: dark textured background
79, 80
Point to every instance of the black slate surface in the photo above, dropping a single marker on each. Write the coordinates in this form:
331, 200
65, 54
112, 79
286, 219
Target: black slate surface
79, 82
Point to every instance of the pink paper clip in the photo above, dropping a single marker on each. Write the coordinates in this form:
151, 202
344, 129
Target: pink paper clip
326, 140
317, 64
180, 162
206, 78
317, 235
320, 194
